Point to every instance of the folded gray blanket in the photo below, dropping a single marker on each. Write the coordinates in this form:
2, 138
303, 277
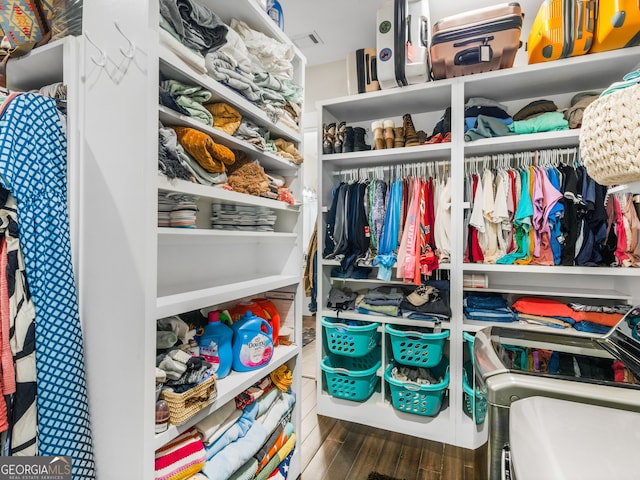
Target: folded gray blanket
198, 27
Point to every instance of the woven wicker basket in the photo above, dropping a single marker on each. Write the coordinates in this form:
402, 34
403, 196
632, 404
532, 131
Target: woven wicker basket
183, 406
610, 137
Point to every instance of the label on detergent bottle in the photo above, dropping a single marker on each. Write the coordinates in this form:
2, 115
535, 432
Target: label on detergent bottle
210, 354
257, 352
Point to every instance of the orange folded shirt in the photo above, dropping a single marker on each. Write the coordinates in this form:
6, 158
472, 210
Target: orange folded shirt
553, 308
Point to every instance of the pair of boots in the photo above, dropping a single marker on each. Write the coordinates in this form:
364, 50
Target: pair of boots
343, 139
387, 135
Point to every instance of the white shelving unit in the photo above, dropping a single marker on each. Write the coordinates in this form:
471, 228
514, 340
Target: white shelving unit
203, 267
515, 87
130, 272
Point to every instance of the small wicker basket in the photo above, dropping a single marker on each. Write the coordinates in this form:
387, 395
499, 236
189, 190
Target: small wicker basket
183, 406
610, 137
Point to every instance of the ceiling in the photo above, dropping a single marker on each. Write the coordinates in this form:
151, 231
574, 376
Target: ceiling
347, 25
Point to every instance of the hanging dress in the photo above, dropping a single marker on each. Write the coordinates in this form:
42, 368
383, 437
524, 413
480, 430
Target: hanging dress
33, 167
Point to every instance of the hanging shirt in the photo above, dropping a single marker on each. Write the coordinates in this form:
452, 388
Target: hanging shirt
491, 253
501, 212
443, 221
522, 223
551, 197
477, 218
554, 218
32, 139
386, 257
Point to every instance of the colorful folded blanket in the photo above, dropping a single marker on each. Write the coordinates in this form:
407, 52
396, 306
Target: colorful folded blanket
181, 458
277, 458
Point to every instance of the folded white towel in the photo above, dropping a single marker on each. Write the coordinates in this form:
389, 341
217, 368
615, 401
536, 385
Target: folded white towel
218, 422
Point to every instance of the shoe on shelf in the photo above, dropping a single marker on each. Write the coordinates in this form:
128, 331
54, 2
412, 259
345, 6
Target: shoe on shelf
398, 137
359, 142
447, 137
347, 141
410, 134
437, 138
328, 136
378, 137
389, 136
339, 138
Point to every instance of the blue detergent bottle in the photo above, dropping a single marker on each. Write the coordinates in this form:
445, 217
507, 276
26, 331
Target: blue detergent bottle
274, 10
216, 345
252, 343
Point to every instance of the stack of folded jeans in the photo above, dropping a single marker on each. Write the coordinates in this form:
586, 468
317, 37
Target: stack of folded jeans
488, 308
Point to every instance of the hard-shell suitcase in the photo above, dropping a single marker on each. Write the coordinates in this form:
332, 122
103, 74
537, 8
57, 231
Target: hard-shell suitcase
477, 41
617, 25
402, 43
561, 29
362, 75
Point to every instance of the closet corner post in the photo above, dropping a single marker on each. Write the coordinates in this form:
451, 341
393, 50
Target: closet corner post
457, 250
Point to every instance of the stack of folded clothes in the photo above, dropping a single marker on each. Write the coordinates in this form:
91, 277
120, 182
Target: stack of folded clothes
429, 302
250, 133
538, 116
189, 98
485, 118
488, 308
175, 162
385, 300
586, 318
256, 66
177, 210
242, 217
252, 436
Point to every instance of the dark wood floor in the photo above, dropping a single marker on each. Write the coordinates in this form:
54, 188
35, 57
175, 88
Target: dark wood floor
335, 450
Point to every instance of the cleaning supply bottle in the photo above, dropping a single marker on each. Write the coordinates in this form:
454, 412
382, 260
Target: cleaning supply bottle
252, 343
216, 345
274, 10
271, 315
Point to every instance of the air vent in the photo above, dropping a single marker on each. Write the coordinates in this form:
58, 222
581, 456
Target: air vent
307, 40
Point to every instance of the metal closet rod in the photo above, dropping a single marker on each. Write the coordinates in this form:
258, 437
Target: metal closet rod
546, 157
395, 171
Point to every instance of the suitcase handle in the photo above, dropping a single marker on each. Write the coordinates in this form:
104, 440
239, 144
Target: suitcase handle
424, 30
473, 56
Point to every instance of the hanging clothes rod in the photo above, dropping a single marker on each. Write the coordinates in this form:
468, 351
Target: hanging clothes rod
545, 157
395, 171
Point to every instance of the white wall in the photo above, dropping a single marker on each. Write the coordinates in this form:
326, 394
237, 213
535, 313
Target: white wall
321, 82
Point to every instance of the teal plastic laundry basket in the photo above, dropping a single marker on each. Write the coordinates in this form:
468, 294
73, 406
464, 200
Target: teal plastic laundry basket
474, 404
417, 399
351, 378
415, 346
469, 339
351, 338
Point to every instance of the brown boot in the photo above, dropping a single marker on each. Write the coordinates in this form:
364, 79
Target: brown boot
422, 137
410, 135
378, 136
388, 133
398, 137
